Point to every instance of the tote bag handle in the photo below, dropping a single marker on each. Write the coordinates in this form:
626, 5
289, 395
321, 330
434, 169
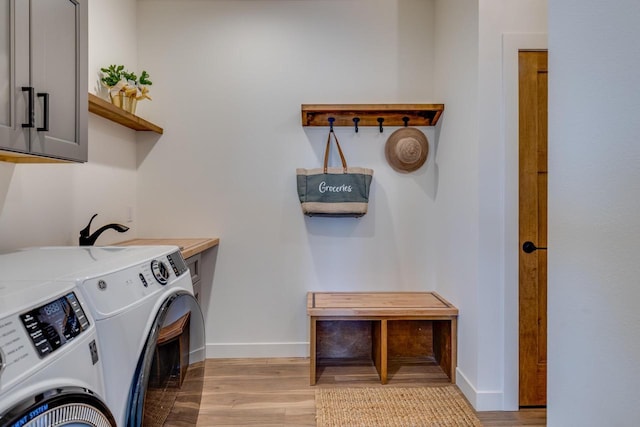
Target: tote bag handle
326, 152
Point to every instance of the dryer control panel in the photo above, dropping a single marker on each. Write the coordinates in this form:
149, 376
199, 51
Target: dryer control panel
51, 325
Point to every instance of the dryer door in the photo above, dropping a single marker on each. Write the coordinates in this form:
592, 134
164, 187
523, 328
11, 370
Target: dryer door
70, 406
167, 386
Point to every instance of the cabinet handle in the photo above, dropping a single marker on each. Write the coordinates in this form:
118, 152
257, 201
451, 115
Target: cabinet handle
30, 124
45, 124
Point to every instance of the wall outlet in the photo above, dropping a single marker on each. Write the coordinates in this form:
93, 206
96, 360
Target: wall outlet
129, 213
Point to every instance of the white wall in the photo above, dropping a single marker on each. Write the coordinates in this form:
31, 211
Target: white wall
49, 204
594, 227
229, 79
456, 161
475, 158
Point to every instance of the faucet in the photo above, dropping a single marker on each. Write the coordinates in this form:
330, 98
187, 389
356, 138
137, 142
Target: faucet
89, 240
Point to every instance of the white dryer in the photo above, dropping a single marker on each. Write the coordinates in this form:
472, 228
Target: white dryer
148, 325
152, 328
50, 369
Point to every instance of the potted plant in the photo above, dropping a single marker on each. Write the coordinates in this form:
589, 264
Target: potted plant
141, 92
111, 78
124, 87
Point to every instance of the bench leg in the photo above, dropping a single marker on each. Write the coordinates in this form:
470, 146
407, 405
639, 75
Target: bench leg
312, 350
380, 349
454, 349
444, 346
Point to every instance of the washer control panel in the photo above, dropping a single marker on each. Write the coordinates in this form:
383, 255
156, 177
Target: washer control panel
161, 271
52, 325
120, 290
177, 263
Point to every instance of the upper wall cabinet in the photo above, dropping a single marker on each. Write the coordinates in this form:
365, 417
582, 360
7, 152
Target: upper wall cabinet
43, 80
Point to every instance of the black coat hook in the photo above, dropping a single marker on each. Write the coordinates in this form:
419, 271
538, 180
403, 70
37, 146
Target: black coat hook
355, 123
380, 120
405, 119
331, 120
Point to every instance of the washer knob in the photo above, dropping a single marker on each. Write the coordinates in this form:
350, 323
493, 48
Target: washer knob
160, 271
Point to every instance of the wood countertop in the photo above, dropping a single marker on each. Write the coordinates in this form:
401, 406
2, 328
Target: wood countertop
188, 247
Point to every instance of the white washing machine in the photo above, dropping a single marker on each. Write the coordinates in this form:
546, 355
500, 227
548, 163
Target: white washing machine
50, 369
149, 326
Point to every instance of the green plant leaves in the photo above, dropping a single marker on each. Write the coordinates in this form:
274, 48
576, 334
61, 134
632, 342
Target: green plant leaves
114, 73
144, 78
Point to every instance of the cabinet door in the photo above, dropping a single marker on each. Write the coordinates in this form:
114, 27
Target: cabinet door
14, 74
59, 76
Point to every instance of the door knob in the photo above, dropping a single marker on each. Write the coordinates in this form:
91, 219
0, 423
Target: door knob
530, 247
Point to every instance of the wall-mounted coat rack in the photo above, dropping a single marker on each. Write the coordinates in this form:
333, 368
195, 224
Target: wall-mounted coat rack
371, 115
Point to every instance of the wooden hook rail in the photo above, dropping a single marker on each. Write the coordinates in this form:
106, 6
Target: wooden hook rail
369, 114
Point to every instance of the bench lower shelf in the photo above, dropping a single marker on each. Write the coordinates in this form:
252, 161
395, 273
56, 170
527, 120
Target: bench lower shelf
401, 371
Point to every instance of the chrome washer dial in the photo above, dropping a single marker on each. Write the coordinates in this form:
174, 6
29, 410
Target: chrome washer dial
160, 271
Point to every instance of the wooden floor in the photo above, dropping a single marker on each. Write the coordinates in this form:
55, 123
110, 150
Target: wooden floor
276, 392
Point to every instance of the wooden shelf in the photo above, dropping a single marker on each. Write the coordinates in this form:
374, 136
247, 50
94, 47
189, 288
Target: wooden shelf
109, 111
418, 114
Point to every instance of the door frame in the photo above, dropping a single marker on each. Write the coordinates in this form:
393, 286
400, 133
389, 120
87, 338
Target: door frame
511, 45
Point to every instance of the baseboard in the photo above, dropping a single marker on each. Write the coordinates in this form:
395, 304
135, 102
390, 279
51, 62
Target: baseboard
261, 349
480, 400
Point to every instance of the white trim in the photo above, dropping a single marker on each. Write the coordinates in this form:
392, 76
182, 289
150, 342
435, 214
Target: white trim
490, 400
511, 44
260, 349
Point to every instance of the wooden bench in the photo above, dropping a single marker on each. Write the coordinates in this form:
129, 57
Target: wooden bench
388, 319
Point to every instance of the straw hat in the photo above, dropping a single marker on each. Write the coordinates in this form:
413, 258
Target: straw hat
406, 149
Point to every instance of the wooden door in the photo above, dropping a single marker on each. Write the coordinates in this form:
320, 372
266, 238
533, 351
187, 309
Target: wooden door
533, 227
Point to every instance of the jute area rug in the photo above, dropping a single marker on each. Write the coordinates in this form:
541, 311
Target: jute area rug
393, 407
